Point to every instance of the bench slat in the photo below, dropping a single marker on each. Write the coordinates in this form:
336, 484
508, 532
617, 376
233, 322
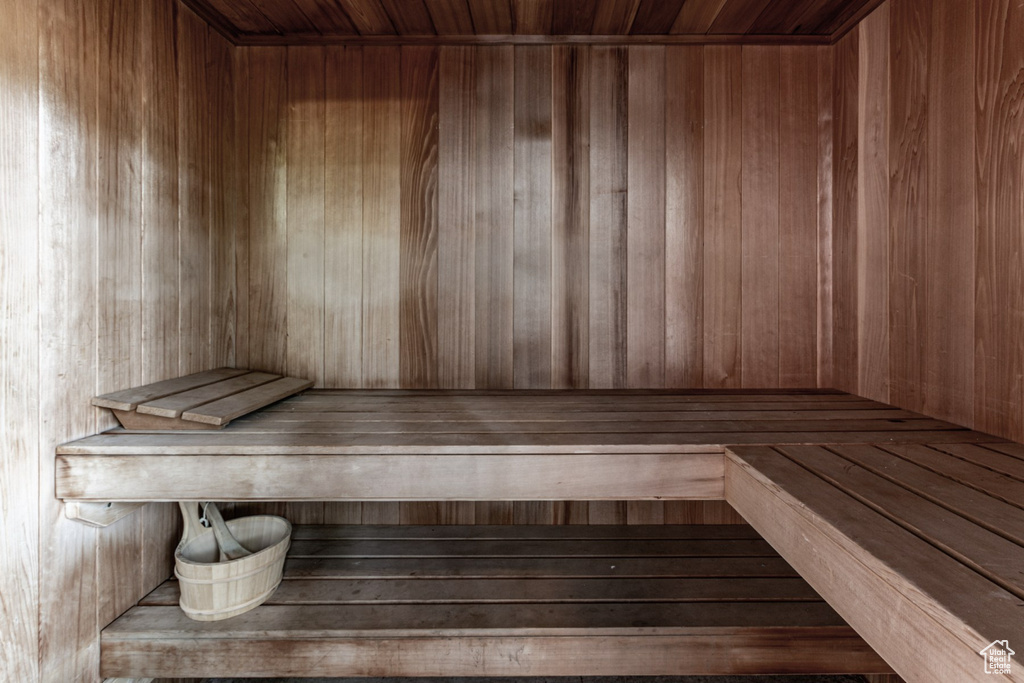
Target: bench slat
129, 399
226, 409
539, 568
970, 474
598, 622
924, 611
990, 554
174, 406
982, 509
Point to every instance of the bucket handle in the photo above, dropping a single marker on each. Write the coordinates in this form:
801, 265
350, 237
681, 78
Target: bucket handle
193, 527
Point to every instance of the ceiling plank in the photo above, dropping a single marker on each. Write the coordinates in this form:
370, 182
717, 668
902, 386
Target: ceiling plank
656, 16
285, 15
536, 39
327, 16
409, 17
533, 17
491, 16
573, 18
789, 16
451, 17
737, 16
240, 15
368, 17
696, 16
614, 17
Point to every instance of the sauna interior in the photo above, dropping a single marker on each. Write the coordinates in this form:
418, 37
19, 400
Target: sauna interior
486, 194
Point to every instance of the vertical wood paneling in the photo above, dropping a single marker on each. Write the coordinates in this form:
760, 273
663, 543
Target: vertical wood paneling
194, 187
570, 230
343, 221
532, 259
160, 194
723, 154
305, 159
456, 238
159, 259
645, 233
119, 270
609, 78
381, 215
240, 68
684, 217
949, 293
418, 277
999, 302
268, 245
759, 342
492, 165
798, 217
68, 187
908, 196
19, 351
844, 235
873, 207
223, 210
826, 67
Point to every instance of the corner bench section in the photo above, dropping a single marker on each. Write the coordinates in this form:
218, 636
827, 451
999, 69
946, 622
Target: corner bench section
919, 547
506, 601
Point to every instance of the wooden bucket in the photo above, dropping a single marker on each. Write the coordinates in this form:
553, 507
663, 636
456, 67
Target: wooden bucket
212, 590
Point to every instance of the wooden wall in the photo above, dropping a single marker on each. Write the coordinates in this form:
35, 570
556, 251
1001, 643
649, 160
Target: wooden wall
929, 141
116, 267
532, 217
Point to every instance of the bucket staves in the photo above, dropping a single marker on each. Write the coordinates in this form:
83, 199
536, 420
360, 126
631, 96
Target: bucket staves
212, 589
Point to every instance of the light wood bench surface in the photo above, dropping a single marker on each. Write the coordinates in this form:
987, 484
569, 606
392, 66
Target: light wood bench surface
919, 547
452, 445
506, 601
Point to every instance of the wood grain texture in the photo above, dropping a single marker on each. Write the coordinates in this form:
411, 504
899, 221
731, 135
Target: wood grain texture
873, 207
381, 215
908, 195
225, 178
68, 221
268, 203
759, 238
950, 299
456, 240
844, 203
608, 217
684, 217
343, 215
119, 277
305, 214
723, 162
570, 227
1000, 178
492, 166
798, 217
825, 286
419, 176
533, 268
20, 352
645, 230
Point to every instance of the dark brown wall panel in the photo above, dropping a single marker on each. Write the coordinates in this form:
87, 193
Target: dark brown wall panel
946, 228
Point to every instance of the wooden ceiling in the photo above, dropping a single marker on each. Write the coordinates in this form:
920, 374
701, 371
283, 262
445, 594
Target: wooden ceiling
301, 21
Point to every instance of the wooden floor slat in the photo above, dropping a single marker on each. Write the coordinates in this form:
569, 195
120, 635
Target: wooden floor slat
530, 548
540, 568
479, 532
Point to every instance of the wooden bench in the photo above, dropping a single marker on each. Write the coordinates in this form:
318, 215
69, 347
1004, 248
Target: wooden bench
919, 547
781, 457
506, 601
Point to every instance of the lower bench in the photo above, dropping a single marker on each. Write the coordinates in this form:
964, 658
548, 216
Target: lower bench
503, 601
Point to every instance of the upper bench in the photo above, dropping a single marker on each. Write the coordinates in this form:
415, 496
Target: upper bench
479, 445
